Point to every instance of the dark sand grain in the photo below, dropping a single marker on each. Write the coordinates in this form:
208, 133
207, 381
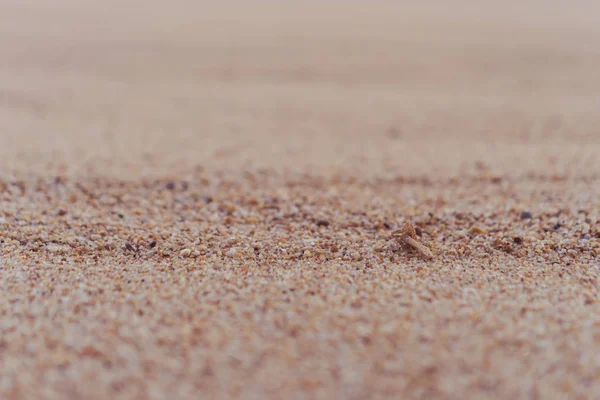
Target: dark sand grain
200, 201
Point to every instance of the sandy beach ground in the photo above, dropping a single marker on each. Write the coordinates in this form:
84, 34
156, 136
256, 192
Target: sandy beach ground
200, 200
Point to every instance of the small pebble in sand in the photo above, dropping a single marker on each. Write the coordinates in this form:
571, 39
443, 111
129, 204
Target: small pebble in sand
232, 252
185, 253
525, 215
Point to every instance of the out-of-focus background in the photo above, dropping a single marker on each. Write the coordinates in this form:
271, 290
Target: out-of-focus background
144, 87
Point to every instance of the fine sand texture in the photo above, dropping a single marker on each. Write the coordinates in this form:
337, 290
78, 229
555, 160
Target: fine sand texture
208, 200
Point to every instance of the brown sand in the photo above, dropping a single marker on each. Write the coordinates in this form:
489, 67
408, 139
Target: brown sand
199, 201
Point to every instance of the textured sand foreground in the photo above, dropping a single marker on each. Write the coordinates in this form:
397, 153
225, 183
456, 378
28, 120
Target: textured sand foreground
200, 201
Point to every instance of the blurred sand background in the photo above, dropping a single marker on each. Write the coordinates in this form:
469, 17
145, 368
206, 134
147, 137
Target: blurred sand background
300, 84
282, 143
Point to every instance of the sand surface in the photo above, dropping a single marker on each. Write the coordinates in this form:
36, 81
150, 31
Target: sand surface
200, 200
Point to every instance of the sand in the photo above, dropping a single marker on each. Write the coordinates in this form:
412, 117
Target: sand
201, 201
